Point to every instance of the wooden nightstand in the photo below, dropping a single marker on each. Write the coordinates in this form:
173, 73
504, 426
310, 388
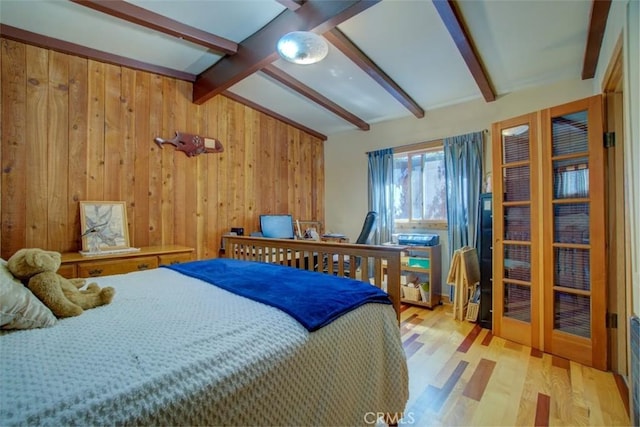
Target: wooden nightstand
75, 265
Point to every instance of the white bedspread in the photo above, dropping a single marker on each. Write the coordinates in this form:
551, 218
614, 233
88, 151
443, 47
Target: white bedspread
174, 350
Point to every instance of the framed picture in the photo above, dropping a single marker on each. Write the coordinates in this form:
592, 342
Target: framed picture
104, 226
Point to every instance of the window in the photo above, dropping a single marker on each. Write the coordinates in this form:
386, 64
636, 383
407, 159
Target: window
419, 186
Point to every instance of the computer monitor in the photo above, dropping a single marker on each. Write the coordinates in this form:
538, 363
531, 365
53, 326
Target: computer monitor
277, 226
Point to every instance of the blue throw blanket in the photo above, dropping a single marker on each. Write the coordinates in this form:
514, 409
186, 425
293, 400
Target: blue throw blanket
313, 299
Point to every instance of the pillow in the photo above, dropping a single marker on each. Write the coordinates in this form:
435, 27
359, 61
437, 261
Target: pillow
19, 308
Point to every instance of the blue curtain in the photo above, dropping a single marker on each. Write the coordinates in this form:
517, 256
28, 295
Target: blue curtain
463, 168
381, 193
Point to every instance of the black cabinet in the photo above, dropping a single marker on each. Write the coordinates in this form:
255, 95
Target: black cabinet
485, 255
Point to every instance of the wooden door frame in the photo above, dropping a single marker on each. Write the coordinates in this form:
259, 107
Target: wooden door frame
618, 241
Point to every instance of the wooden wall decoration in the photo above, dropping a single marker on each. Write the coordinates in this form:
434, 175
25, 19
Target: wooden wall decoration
75, 129
192, 145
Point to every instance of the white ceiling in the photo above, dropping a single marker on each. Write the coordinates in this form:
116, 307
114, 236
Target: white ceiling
522, 43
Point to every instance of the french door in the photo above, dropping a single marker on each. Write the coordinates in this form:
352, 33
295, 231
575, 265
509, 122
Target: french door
549, 267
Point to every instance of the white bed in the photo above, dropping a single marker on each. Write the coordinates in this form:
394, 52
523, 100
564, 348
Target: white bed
173, 350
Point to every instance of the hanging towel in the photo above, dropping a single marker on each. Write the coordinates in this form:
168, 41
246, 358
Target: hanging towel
464, 273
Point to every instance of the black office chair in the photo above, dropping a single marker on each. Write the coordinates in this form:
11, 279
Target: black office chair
363, 239
367, 228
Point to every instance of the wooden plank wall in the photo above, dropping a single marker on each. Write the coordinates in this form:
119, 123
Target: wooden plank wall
74, 129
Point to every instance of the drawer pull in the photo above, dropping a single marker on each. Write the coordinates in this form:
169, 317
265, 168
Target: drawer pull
143, 266
95, 272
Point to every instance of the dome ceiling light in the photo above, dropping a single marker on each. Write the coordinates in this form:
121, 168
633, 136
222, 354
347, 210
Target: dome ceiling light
302, 47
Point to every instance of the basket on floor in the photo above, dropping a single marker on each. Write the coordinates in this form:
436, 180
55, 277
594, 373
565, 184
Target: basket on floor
411, 293
472, 311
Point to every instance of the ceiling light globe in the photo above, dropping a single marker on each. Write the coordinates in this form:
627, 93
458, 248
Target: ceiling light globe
302, 47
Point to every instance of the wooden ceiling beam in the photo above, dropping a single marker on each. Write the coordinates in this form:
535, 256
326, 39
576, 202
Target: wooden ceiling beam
148, 19
597, 26
296, 85
453, 21
338, 39
259, 49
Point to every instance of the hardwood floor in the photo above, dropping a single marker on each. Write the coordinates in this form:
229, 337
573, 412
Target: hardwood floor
460, 374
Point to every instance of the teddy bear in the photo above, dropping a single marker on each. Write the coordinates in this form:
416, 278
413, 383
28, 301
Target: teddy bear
37, 268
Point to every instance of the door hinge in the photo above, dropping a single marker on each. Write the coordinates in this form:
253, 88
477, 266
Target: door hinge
609, 139
612, 320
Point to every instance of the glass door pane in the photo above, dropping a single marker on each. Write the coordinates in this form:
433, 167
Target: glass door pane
571, 178
570, 133
517, 184
517, 302
517, 223
571, 268
571, 223
572, 314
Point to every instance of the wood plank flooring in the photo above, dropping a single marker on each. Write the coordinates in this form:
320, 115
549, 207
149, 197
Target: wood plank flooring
460, 374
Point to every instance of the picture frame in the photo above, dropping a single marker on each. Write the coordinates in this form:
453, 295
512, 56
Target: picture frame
104, 226
306, 229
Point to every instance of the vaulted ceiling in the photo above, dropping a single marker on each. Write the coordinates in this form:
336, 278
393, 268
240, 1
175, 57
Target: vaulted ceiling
387, 59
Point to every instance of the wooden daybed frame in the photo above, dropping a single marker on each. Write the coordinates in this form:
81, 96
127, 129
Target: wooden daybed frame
308, 254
